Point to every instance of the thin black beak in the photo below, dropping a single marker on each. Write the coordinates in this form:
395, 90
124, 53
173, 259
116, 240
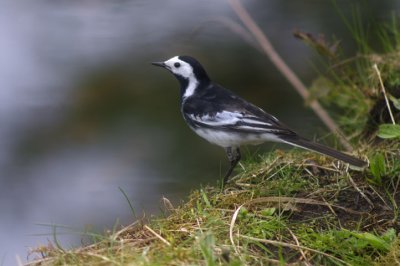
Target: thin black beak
160, 64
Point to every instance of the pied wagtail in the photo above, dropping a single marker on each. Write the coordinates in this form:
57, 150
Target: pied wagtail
223, 118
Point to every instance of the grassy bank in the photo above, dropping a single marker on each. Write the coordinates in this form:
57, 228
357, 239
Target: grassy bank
293, 207
286, 207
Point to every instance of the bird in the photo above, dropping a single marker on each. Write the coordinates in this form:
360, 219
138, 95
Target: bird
229, 121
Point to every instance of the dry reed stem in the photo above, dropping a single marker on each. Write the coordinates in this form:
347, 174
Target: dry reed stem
283, 244
359, 190
157, 235
301, 201
234, 216
123, 230
104, 258
378, 72
270, 52
303, 255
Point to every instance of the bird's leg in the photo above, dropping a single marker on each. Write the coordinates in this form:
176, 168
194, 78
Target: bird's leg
234, 156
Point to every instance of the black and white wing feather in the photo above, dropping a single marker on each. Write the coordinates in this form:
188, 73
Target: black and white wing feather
222, 110
233, 121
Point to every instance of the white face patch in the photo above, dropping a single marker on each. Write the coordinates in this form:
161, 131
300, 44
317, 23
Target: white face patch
179, 67
183, 69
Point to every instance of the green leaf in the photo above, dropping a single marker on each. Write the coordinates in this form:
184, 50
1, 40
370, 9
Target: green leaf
205, 198
389, 131
268, 211
390, 235
375, 241
396, 102
378, 169
243, 212
207, 245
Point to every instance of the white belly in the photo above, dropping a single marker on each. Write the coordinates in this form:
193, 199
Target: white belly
228, 139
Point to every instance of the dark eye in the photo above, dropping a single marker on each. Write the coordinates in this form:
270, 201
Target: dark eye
177, 64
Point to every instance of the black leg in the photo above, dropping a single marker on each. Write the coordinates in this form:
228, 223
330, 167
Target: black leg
234, 156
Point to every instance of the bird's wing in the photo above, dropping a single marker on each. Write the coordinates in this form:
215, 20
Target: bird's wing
237, 121
232, 113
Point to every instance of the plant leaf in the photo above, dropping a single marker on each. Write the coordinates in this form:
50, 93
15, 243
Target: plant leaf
207, 244
389, 131
375, 241
378, 169
268, 211
396, 102
319, 43
390, 235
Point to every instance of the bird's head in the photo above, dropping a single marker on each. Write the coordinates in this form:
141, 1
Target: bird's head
184, 67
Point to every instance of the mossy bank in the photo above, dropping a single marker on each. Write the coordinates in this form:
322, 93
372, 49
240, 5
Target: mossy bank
286, 207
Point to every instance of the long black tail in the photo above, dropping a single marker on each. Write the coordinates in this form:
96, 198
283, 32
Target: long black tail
309, 145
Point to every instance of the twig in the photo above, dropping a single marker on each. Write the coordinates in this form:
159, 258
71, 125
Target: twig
270, 52
157, 235
123, 230
283, 244
234, 216
329, 206
319, 166
303, 255
301, 201
375, 66
377, 194
199, 226
104, 258
359, 190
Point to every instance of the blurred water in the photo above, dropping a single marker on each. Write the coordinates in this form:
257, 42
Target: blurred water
82, 112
